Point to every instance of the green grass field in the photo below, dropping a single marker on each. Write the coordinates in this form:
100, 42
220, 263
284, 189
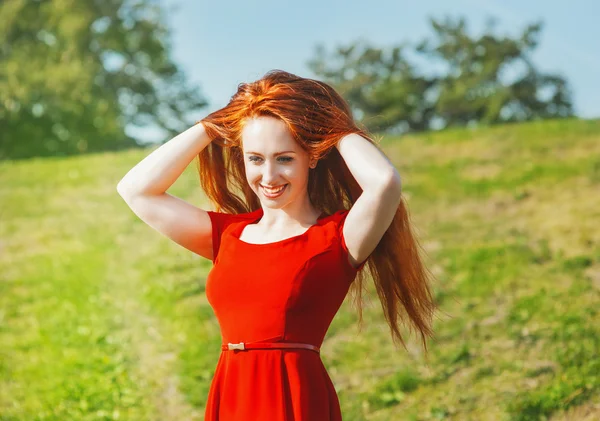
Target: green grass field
102, 318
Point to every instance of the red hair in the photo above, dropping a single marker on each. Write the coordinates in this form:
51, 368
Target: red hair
318, 117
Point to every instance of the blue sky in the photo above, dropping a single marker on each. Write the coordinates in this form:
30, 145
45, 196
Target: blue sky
221, 44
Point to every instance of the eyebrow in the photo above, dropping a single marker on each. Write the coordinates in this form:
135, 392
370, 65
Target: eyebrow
278, 153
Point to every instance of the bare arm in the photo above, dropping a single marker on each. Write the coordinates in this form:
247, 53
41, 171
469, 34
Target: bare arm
144, 190
159, 170
374, 210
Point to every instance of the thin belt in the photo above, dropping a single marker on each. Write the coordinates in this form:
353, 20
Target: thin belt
267, 345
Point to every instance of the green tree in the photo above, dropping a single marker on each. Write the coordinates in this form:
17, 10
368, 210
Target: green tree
388, 94
475, 87
75, 73
383, 88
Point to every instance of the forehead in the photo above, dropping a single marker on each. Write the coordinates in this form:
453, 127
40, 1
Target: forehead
267, 134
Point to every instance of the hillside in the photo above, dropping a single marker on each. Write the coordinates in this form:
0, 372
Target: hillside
104, 319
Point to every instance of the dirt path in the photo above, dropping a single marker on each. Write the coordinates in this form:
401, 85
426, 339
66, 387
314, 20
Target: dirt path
156, 354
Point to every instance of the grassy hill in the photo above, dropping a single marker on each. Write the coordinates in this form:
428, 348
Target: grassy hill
101, 318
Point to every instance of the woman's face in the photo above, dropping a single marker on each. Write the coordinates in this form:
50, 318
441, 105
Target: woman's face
276, 166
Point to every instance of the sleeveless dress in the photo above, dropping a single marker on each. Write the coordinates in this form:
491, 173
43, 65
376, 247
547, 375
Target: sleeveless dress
284, 291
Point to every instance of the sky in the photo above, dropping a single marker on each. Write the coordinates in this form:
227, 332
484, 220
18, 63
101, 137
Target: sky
221, 44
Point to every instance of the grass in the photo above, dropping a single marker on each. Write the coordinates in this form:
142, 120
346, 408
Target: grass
101, 318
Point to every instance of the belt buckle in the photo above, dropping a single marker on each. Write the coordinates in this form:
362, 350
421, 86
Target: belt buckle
231, 346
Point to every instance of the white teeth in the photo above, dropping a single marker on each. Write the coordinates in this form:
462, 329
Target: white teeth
273, 191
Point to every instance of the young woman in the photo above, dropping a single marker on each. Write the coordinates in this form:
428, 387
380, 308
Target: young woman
304, 200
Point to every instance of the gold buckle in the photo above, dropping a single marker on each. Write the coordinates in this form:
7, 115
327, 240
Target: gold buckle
235, 346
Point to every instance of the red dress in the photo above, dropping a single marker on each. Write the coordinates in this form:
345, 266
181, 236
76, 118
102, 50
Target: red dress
284, 291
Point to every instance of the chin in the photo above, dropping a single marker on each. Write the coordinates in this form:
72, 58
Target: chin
273, 204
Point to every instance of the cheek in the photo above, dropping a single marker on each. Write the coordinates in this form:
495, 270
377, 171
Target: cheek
290, 173
252, 169
296, 174
251, 175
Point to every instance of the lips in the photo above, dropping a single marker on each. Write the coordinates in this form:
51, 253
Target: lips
273, 192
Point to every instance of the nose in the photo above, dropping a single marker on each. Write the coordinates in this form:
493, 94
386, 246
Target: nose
270, 174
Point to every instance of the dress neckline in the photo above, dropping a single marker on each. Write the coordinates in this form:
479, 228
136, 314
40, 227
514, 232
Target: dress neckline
259, 213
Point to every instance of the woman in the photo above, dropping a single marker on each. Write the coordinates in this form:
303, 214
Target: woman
304, 200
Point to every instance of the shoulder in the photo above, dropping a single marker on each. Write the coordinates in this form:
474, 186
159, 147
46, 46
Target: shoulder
222, 220
335, 219
334, 230
331, 225
234, 216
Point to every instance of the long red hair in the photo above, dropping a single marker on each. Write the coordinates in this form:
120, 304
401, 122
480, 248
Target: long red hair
318, 117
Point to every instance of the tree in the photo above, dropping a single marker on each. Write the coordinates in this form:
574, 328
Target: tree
388, 94
384, 89
76, 73
474, 88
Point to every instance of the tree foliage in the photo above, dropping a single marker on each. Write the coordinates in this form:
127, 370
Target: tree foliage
385, 90
76, 73
486, 79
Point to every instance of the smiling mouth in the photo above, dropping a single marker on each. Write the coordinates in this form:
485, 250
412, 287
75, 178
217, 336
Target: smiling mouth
272, 192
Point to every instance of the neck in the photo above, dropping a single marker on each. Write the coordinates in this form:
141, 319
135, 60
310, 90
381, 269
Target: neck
304, 215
